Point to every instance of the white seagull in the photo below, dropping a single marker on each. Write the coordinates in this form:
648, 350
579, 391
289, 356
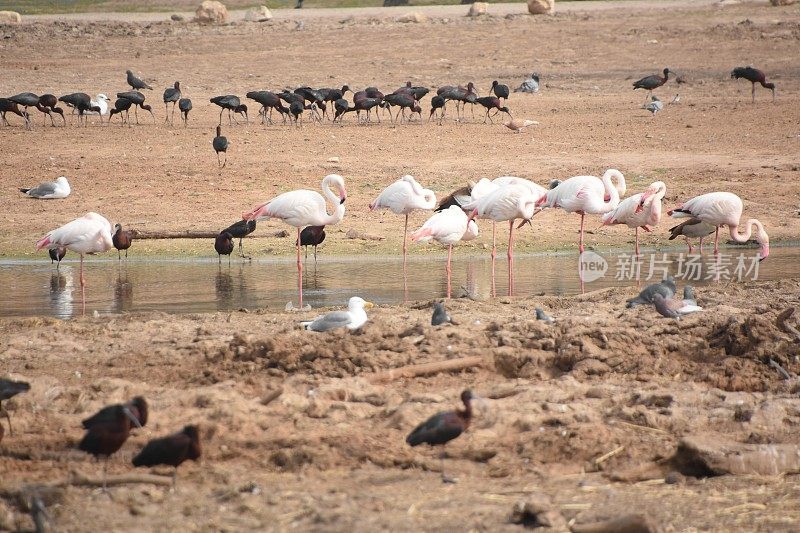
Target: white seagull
353, 318
49, 190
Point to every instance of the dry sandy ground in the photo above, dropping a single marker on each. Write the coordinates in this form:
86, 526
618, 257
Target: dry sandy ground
157, 177
328, 454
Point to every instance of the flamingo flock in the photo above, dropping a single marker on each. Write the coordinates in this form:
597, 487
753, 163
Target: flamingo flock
504, 199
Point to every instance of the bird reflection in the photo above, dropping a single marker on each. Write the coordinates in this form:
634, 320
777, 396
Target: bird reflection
123, 294
61, 288
223, 285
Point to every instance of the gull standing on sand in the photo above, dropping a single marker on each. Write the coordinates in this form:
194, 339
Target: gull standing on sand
302, 208
586, 195
402, 197
89, 234
353, 318
49, 190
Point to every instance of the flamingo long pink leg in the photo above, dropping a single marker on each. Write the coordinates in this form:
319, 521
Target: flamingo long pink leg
299, 270
580, 244
701, 245
494, 255
83, 288
716, 242
637, 241
405, 243
449, 268
511, 257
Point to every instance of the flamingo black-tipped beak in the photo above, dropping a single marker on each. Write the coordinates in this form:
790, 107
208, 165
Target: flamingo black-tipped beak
764, 253
524, 221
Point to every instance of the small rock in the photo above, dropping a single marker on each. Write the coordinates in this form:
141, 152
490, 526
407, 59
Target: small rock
333, 160
537, 511
258, 14
477, 9
176, 17
10, 17
212, 12
414, 16
673, 478
541, 7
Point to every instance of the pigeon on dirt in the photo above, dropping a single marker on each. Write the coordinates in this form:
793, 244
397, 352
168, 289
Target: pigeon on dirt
654, 106
541, 315
440, 315
136, 83
672, 308
688, 295
665, 288
530, 85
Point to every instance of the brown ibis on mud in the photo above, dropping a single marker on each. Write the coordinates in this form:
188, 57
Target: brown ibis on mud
171, 94
184, 106
57, 254
7, 106
268, 100
443, 427
312, 236
492, 102
137, 99
172, 450
122, 240
232, 104
220, 144
223, 244
48, 103
654, 81
106, 434
753, 75
240, 230
500, 90
137, 407
120, 105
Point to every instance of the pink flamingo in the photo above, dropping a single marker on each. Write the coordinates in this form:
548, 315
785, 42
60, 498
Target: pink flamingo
507, 203
89, 234
586, 195
447, 227
304, 208
723, 209
402, 197
641, 210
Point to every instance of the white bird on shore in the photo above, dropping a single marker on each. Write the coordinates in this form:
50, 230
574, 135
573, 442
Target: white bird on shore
89, 234
447, 227
101, 101
586, 195
353, 318
49, 190
723, 209
402, 197
302, 208
641, 210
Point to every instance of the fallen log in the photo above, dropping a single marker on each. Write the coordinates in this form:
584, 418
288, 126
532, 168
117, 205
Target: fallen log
190, 234
424, 369
80, 480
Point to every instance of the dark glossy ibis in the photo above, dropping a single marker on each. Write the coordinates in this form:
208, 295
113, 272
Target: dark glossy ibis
171, 94
492, 102
122, 240
437, 102
136, 83
8, 389
223, 244
232, 104
106, 434
137, 407
403, 101
500, 90
296, 109
416, 92
316, 101
220, 144
340, 107
240, 230
312, 236
443, 427
361, 102
651, 82
137, 99
81, 102
459, 197
331, 95
457, 94
268, 100
753, 75
48, 103
27, 100
57, 254
172, 450
120, 105
7, 105
184, 106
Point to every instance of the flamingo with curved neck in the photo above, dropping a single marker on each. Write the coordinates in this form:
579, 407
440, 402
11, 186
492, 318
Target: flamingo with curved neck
724, 209
586, 195
402, 197
304, 208
641, 210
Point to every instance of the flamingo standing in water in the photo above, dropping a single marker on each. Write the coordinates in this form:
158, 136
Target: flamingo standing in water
402, 197
586, 195
723, 209
447, 227
89, 234
507, 203
304, 208
641, 210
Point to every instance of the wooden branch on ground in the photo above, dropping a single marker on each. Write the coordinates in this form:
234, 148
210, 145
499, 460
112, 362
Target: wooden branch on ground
425, 369
80, 480
189, 234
